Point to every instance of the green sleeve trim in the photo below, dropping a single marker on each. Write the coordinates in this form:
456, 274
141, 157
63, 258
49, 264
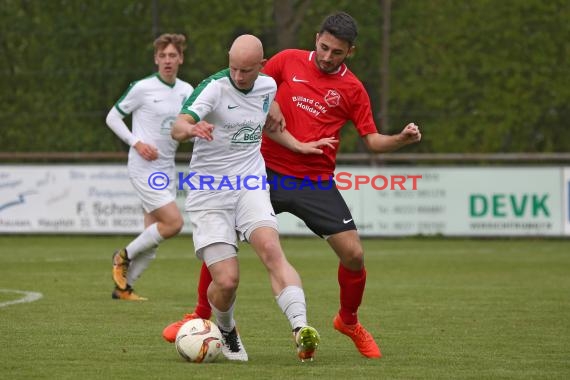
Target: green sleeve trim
120, 110
193, 114
219, 75
124, 96
131, 85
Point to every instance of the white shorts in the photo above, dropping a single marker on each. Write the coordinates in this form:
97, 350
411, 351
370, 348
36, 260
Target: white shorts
252, 209
153, 199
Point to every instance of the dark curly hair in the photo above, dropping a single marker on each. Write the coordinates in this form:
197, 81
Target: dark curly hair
341, 25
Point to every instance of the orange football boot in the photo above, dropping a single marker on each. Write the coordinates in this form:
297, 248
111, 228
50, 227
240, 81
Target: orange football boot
362, 339
170, 331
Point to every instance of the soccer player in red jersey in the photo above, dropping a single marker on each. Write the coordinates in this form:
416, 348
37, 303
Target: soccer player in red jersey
317, 94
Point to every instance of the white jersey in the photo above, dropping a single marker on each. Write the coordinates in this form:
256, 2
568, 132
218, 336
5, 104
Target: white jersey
234, 153
154, 105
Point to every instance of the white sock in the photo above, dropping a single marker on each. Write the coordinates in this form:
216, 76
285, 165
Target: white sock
292, 301
149, 238
139, 264
225, 319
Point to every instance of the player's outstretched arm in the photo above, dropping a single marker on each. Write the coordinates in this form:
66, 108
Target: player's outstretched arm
290, 142
185, 128
379, 143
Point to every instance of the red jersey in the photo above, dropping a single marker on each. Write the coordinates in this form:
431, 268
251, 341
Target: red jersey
315, 105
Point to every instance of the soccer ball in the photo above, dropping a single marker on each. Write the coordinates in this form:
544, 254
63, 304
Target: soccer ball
199, 341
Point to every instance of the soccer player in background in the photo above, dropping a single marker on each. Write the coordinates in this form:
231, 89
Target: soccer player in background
154, 103
317, 94
225, 116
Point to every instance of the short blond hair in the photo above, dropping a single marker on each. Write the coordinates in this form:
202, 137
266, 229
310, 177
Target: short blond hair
177, 40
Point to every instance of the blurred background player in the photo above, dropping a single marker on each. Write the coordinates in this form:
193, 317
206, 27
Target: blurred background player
225, 115
154, 103
306, 79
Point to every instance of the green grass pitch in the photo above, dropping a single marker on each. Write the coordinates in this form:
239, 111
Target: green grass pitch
440, 309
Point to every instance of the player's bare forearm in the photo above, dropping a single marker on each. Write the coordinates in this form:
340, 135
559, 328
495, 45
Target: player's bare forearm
283, 138
290, 142
379, 143
182, 127
185, 128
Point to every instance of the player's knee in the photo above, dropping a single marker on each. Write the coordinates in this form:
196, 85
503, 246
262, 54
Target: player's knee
271, 254
353, 258
177, 225
228, 284
173, 227
272, 248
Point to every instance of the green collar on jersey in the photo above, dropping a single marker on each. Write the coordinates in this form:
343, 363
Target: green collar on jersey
171, 85
245, 92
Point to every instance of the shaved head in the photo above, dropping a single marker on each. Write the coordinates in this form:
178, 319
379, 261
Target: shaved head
247, 48
246, 60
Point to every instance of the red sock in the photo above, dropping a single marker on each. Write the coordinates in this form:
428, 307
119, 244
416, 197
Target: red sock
351, 291
203, 308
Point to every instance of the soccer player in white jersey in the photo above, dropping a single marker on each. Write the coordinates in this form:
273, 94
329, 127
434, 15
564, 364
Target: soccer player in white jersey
154, 103
317, 94
225, 115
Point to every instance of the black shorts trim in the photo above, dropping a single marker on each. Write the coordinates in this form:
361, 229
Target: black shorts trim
318, 204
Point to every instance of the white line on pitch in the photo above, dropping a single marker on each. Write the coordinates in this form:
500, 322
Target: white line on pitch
28, 297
